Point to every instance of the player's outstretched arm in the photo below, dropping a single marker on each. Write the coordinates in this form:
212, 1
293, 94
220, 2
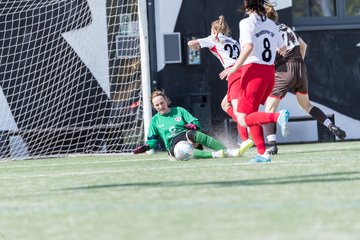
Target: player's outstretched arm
194, 44
303, 47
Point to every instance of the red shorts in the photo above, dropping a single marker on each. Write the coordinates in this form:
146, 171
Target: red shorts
257, 82
233, 86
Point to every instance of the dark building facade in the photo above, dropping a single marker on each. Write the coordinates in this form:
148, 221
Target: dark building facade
333, 62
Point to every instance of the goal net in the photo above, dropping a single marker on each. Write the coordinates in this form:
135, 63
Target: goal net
70, 77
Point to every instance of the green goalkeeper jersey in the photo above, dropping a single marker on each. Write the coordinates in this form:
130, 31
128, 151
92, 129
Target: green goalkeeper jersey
169, 125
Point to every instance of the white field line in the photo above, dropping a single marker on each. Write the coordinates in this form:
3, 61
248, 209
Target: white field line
89, 162
80, 162
157, 168
4, 164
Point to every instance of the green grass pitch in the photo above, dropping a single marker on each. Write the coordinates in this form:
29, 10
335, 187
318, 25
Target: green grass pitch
308, 191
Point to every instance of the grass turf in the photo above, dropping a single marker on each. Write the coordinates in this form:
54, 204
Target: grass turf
308, 191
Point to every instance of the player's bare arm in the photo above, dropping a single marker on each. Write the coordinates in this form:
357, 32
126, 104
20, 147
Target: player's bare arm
194, 44
303, 47
282, 50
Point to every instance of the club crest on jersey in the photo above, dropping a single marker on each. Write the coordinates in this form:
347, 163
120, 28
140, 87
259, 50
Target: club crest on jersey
177, 119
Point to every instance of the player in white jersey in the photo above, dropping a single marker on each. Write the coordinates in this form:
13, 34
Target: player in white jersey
291, 74
227, 50
259, 40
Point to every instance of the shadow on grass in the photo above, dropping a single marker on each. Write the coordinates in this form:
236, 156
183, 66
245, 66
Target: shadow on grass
301, 179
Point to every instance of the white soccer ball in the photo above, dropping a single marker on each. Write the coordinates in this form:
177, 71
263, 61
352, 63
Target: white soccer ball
183, 151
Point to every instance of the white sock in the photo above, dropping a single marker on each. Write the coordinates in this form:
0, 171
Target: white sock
271, 137
327, 122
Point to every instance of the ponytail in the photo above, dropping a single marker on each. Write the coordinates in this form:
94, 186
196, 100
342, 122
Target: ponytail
220, 26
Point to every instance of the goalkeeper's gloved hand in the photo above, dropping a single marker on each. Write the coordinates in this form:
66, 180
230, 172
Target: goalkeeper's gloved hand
191, 126
141, 149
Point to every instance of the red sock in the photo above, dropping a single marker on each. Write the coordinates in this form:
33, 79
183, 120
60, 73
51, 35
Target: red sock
258, 138
260, 118
241, 130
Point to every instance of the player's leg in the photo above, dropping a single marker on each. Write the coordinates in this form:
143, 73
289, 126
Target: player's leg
256, 132
246, 142
253, 121
205, 140
234, 86
212, 143
229, 107
251, 97
284, 79
205, 154
258, 137
319, 115
301, 89
271, 105
243, 132
190, 137
225, 105
259, 85
259, 81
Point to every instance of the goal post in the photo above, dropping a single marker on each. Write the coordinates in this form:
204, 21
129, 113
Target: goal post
145, 65
74, 77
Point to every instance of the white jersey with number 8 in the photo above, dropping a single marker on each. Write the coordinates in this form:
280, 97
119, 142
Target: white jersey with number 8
265, 37
226, 49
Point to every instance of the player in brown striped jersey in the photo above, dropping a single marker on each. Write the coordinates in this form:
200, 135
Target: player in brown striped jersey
291, 74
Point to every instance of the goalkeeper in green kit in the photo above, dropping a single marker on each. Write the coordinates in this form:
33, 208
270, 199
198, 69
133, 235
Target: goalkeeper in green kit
176, 124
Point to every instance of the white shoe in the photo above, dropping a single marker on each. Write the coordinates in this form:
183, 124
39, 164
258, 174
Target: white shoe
245, 145
233, 152
218, 154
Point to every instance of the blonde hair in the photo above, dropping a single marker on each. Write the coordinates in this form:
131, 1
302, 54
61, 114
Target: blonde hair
220, 26
157, 93
271, 13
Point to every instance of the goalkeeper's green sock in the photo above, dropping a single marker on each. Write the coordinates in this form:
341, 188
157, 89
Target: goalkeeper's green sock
202, 154
208, 141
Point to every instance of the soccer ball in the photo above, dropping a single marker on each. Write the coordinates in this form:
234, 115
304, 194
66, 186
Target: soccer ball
183, 150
